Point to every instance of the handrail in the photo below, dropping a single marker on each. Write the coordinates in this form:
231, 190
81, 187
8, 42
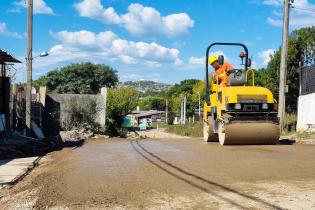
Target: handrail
253, 76
216, 77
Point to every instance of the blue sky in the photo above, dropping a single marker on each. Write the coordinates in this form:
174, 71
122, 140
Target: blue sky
146, 39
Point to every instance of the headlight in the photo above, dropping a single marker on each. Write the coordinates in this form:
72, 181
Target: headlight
237, 106
264, 106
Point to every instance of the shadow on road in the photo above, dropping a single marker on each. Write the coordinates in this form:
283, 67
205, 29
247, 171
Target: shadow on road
149, 155
286, 142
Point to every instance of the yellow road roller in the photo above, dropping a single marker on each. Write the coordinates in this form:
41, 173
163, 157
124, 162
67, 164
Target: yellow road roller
239, 113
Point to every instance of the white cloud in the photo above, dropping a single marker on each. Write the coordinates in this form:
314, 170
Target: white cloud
273, 2
4, 31
133, 76
265, 56
87, 45
301, 15
94, 9
139, 20
40, 7
196, 60
199, 62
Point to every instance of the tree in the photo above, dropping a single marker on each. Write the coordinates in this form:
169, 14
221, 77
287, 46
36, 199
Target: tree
83, 78
301, 48
185, 86
121, 102
199, 88
152, 103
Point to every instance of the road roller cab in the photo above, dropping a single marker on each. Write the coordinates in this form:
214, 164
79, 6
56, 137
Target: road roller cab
240, 113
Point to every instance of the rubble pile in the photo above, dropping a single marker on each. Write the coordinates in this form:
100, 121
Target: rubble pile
19, 146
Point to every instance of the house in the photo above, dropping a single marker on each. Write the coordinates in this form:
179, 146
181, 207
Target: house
306, 101
5, 60
137, 117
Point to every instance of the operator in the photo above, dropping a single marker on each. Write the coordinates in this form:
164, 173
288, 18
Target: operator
222, 71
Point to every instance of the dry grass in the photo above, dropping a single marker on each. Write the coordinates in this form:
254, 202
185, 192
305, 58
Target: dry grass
192, 129
290, 120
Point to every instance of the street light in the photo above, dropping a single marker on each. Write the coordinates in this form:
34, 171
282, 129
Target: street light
42, 54
29, 60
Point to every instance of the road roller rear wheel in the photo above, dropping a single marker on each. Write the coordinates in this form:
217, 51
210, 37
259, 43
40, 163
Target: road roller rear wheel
208, 134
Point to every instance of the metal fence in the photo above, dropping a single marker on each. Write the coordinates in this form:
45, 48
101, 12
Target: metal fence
307, 79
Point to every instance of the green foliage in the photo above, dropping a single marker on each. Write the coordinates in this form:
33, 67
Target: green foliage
301, 46
305, 135
121, 102
185, 86
152, 103
174, 104
192, 129
199, 88
290, 122
80, 114
84, 78
175, 93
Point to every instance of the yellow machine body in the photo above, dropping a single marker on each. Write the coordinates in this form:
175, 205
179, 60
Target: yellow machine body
240, 114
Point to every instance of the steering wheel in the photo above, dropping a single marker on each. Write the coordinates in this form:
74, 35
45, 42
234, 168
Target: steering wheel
237, 73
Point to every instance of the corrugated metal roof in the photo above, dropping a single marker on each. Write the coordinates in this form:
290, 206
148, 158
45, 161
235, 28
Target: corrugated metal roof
146, 113
6, 57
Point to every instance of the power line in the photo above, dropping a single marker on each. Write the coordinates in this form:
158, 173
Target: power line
303, 8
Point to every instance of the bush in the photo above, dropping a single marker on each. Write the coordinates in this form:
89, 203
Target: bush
121, 102
290, 120
80, 114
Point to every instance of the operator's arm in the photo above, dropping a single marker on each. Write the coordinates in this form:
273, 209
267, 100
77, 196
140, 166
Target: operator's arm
228, 68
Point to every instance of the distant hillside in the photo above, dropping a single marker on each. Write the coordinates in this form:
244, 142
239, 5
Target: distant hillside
148, 87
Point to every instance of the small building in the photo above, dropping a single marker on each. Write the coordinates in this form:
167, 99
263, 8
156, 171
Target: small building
5, 60
306, 101
137, 117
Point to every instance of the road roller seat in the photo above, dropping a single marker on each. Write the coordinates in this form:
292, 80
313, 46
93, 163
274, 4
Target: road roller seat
237, 78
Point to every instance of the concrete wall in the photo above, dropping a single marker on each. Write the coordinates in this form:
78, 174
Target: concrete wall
306, 112
56, 107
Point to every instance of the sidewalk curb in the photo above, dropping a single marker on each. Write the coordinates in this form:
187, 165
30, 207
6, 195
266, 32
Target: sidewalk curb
21, 175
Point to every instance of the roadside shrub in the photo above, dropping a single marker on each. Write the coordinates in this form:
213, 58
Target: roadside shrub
121, 102
290, 120
80, 114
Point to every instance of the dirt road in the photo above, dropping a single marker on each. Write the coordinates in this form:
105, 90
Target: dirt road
169, 174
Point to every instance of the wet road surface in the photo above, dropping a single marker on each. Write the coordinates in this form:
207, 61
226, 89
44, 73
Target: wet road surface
173, 174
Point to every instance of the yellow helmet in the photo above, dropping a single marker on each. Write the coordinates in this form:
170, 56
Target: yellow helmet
212, 59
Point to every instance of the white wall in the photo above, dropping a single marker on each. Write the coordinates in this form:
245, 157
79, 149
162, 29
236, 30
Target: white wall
306, 112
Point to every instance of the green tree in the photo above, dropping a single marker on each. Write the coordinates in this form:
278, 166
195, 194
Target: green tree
121, 102
152, 103
185, 86
301, 46
199, 88
83, 78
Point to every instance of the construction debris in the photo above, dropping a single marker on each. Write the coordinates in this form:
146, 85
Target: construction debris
75, 135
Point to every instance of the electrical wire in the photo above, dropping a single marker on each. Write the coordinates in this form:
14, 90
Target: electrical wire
302, 8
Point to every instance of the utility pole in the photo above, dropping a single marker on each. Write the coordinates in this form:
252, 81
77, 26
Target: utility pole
184, 109
181, 110
29, 59
199, 105
166, 111
284, 62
